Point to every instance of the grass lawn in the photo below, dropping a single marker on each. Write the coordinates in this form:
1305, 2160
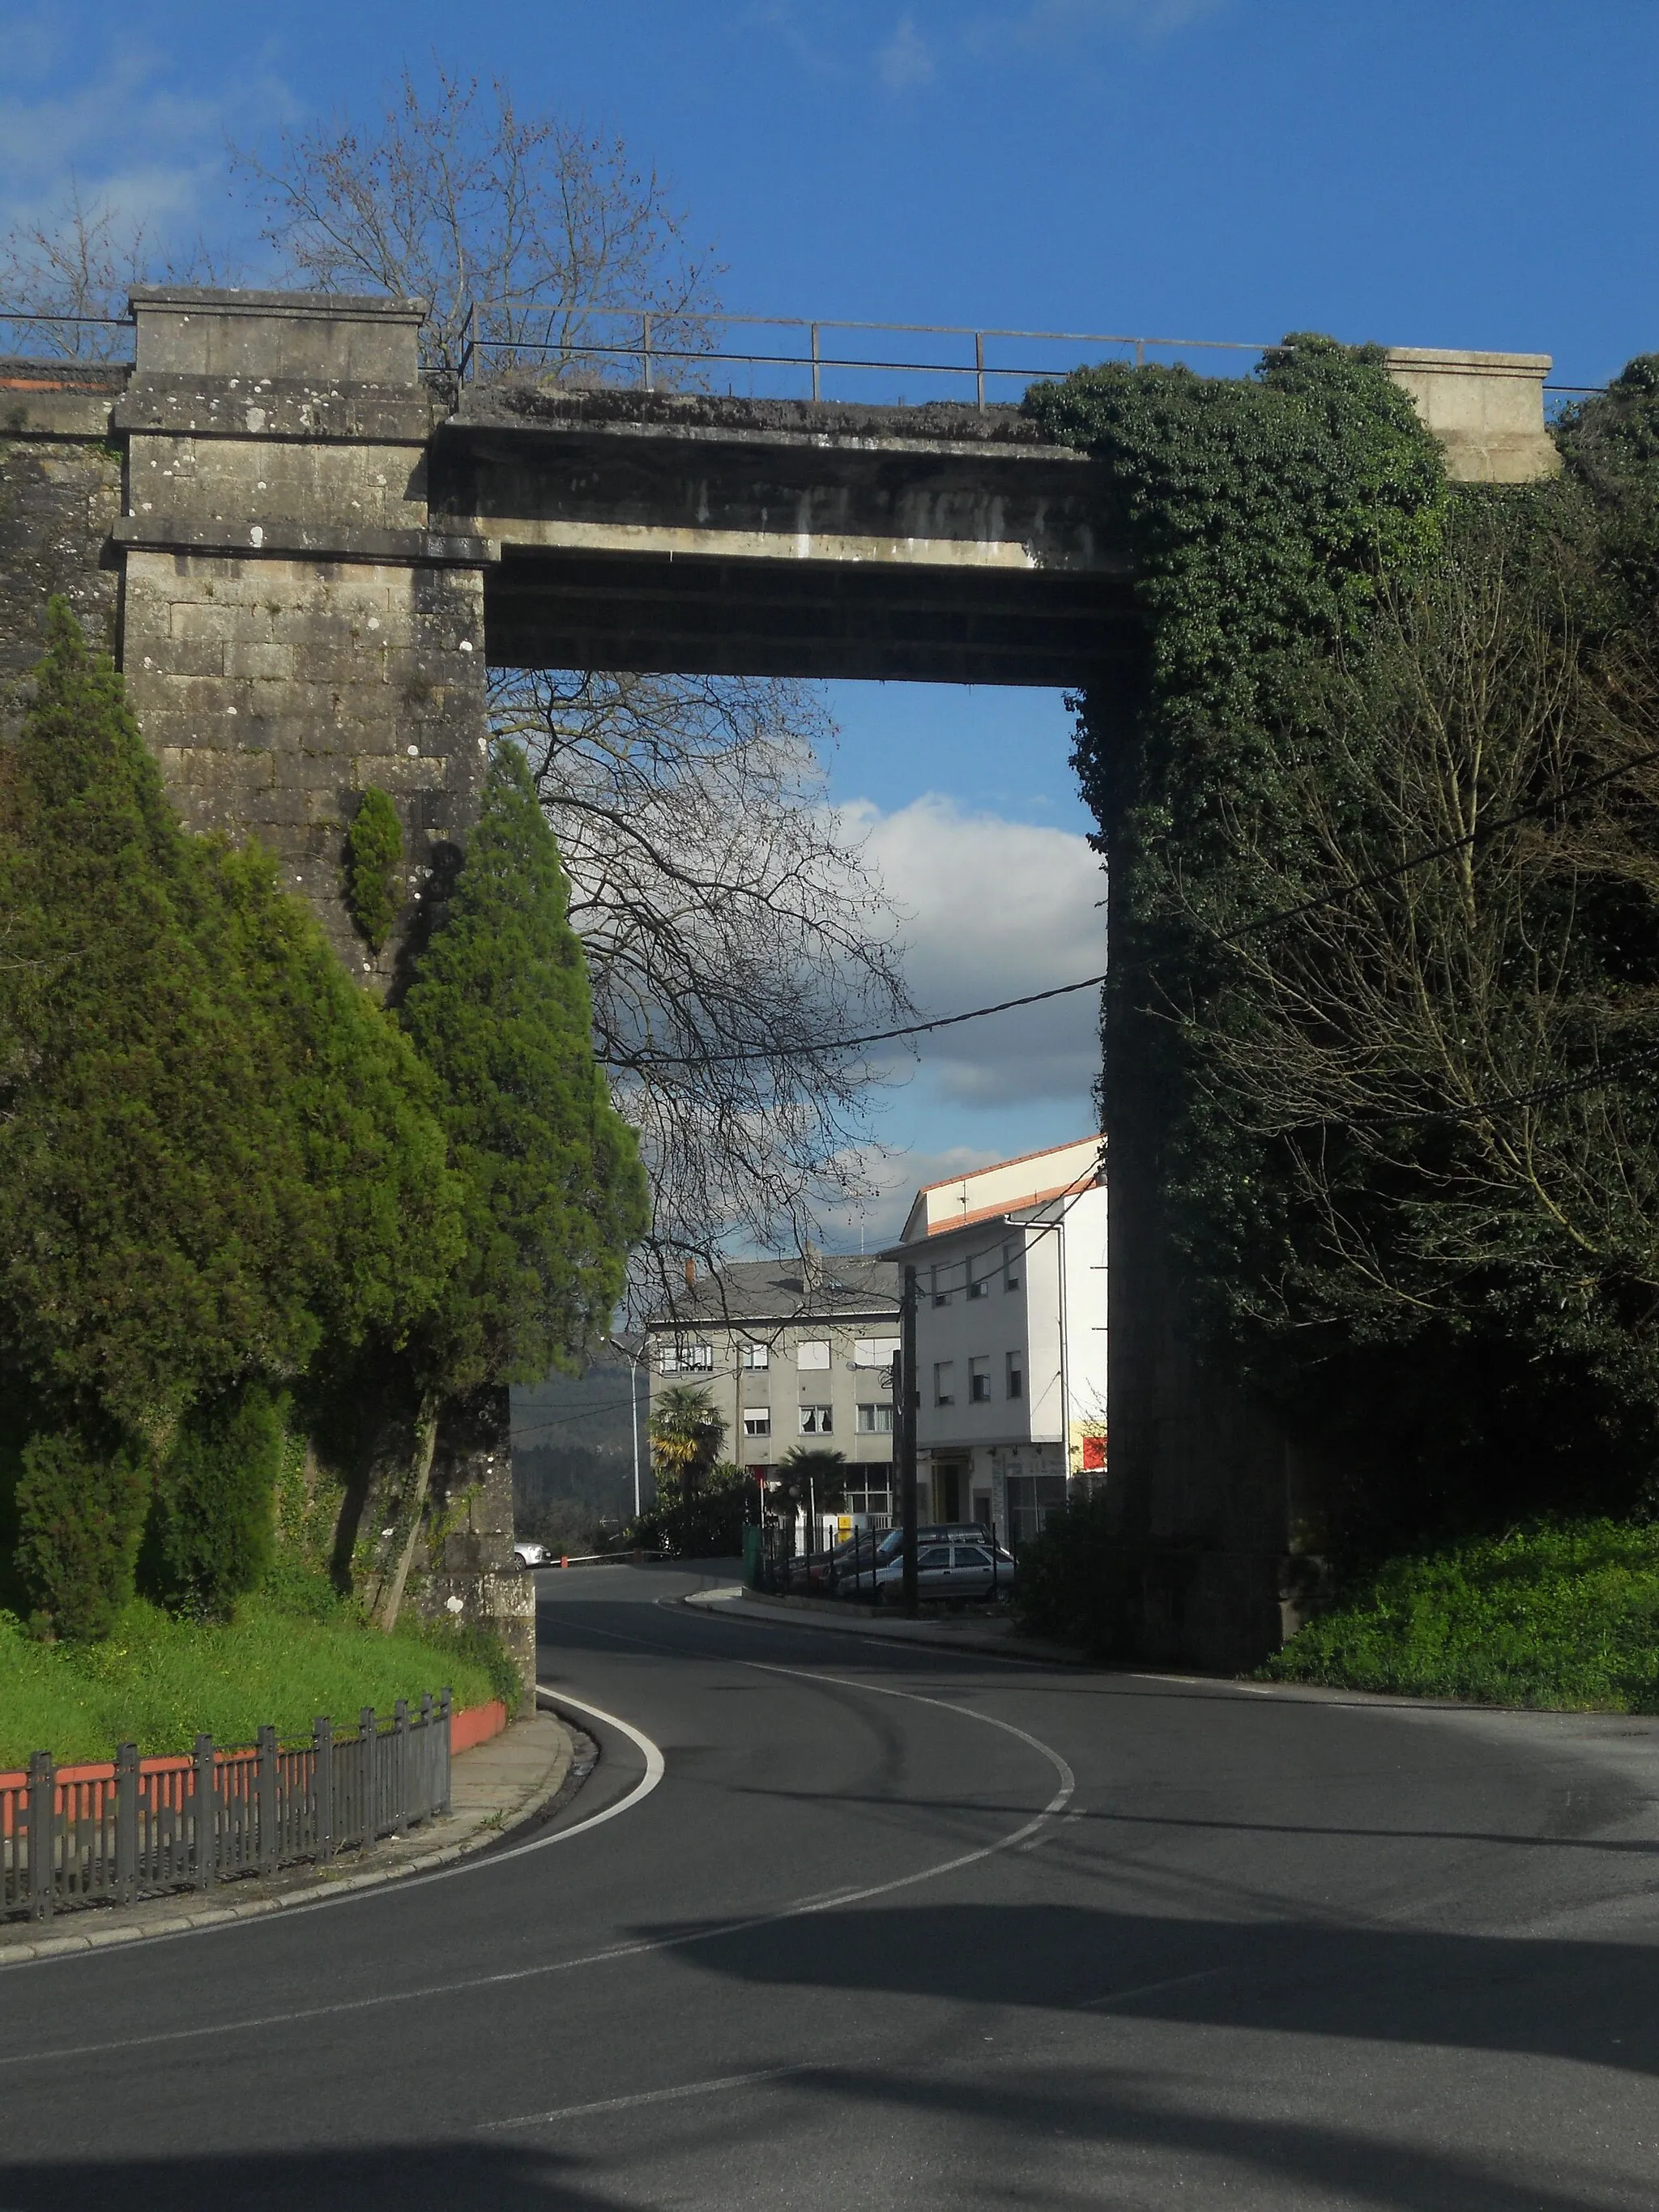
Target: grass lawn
1562, 1614
291, 1653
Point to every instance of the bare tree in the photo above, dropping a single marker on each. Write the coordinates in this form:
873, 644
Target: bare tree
734, 932
529, 233
1458, 1059
69, 278
733, 929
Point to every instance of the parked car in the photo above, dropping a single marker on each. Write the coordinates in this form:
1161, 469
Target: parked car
826, 1568
529, 1553
846, 1581
950, 1571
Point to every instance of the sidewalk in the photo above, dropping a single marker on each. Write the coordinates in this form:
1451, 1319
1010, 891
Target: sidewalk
492, 1787
953, 1633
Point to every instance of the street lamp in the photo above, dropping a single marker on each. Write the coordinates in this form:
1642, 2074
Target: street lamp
635, 1360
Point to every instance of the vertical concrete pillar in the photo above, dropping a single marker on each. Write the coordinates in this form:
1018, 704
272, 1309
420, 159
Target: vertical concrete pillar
290, 629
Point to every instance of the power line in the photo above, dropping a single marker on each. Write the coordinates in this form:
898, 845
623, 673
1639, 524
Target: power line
1470, 839
1543, 1094
1274, 919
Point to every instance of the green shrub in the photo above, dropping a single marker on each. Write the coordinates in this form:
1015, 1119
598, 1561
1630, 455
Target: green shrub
211, 1531
374, 847
707, 1525
80, 1513
1558, 1613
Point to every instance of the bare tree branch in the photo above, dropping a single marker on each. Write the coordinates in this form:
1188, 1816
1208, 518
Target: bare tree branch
723, 908
76, 269
529, 231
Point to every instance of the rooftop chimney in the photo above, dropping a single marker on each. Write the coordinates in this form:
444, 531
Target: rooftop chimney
690, 1274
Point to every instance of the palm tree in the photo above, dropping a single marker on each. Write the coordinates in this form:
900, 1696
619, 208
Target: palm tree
822, 1467
686, 1435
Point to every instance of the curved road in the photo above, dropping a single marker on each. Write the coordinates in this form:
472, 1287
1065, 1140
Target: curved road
899, 1929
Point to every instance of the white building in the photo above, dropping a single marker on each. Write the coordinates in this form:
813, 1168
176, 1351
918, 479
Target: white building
1011, 1335
792, 1353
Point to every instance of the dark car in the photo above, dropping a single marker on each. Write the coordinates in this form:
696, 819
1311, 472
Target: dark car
847, 1582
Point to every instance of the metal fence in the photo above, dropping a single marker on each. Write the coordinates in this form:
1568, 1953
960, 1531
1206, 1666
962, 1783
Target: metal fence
156, 1826
781, 357
751, 356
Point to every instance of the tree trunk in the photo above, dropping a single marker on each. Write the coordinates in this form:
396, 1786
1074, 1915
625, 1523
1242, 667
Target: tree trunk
389, 1599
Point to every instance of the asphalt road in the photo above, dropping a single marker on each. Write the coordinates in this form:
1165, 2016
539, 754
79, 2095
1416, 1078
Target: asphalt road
897, 1929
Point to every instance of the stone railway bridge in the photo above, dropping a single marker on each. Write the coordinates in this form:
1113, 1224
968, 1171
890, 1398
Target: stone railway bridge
304, 561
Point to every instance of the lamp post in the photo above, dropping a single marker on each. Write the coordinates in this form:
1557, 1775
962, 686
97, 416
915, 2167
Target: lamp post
634, 1361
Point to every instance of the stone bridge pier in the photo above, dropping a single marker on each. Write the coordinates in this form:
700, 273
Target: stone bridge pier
303, 556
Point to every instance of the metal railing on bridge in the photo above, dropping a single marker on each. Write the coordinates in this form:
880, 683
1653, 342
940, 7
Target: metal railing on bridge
72, 1836
748, 356
791, 356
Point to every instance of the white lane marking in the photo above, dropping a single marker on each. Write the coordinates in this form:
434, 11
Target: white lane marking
655, 1768
644, 2097
802, 1909
1151, 1989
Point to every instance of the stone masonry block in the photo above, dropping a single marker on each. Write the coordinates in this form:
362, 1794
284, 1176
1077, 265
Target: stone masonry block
315, 769
165, 656
214, 618
226, 771
400, 775
263, 662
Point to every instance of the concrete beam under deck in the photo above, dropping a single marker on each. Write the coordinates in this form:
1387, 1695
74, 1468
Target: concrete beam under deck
683, 532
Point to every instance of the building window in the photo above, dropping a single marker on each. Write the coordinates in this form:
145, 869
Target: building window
1011, 1266
686, 1359
941, 1292
875, 1351
979, 1286
813, 1352
875, 1420
753, 1355
945, 1382
1016, 1374
979, 1381
816, 1421
758, 1420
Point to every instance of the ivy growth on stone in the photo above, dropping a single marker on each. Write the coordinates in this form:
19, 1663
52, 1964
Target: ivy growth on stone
1345, 660
374, 851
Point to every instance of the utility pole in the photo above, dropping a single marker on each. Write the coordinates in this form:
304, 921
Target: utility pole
908, 1402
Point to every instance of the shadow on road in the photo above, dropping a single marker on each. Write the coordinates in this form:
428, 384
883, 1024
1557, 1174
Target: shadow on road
1546, 1997
1065, 2137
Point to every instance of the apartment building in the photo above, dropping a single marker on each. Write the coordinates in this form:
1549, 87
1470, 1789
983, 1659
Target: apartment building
1011, 1335
791, 1352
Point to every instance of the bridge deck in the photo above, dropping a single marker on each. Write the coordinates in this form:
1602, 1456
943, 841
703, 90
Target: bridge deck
693, 533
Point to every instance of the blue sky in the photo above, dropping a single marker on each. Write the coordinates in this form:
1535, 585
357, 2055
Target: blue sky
1455, 172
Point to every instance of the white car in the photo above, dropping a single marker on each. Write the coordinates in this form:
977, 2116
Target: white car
950, 1571
529, 1553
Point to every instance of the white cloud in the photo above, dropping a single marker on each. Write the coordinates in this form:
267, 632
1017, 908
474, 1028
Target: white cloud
998, 909
1058, 22
124, 133
896, 1177
907, 60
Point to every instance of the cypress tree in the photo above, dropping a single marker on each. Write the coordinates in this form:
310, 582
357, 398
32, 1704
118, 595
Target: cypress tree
374, 845
164, 1230
214, 1150
554, 1191
211, 1528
